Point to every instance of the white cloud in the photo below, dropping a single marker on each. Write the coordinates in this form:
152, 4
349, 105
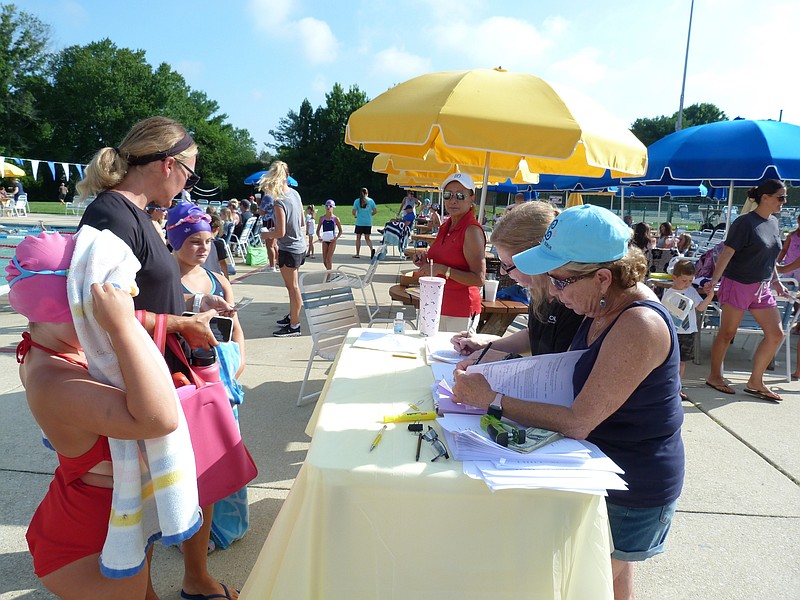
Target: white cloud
395, 65
319, 43
269, 15
315, 37
584, 66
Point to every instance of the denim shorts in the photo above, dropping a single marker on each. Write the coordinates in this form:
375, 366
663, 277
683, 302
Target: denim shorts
639, 533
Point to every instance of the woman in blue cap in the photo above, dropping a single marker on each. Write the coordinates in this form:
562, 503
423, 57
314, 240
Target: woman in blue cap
626, 384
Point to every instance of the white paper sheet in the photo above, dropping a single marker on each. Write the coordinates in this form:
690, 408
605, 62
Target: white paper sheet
543, 378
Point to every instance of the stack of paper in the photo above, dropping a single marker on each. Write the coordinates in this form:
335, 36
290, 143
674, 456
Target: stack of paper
566, 464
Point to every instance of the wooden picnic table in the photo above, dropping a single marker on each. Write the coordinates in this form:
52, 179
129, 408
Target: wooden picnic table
495, 316
428, 238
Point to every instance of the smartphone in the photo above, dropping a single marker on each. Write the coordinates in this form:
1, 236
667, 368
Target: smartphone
221, 327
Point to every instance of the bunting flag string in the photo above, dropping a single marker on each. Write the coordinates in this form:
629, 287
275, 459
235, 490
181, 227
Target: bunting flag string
65, 166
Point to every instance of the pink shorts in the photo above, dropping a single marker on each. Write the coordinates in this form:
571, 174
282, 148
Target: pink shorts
746, 296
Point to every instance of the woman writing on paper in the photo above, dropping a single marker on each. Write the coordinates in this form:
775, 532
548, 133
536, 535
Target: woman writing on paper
551, 325
70, 525
626, 383
459, 256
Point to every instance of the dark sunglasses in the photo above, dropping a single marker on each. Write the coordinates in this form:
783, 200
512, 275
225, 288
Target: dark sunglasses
154, 208
560, 284
782, 197
193, 177
506, 269
457, 195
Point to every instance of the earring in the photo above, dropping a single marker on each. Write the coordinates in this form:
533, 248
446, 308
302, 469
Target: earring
603, 302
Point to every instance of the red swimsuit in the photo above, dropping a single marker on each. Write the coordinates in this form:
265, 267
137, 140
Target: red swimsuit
72, 520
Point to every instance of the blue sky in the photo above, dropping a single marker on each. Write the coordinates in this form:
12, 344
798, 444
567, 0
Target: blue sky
260, 58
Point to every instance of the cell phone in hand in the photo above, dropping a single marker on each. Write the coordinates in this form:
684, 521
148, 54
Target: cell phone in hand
221, 327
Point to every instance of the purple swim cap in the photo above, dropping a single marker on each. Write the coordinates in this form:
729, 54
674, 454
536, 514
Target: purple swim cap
184, 220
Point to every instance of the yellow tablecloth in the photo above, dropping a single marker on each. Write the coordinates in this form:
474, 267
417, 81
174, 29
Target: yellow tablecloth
378, 525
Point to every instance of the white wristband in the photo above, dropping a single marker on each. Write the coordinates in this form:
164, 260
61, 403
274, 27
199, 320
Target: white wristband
198, 298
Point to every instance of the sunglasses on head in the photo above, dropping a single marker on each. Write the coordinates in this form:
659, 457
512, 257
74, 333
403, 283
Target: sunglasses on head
193, 177
155, 208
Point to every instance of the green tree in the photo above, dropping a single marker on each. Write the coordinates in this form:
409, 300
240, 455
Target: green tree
96, 92
311, 141
23, 43
650, 130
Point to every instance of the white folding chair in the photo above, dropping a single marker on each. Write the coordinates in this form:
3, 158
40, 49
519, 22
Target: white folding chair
21, 205
331, 312
239, 243
361, 278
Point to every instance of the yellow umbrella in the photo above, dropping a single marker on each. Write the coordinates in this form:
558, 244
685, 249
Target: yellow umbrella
575, 199
494, 119
9, 170
435, 171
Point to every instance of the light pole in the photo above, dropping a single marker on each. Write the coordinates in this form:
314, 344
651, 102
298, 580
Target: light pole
679, 124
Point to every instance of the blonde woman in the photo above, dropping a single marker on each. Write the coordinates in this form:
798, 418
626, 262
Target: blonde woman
551, 325
290, 233
154, 162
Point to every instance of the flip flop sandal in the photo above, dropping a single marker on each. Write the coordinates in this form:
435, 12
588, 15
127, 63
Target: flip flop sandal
722, 389
227, 595
764, 395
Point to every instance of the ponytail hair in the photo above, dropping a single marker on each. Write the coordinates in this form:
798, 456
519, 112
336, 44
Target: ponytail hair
151, 139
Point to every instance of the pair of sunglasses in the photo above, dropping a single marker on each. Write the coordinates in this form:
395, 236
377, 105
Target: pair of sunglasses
193, 177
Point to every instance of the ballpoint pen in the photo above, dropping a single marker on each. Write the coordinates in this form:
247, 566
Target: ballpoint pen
419, 445
482, 354
377, 439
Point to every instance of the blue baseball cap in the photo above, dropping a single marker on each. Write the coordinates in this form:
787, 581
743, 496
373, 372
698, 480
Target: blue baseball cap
581, 234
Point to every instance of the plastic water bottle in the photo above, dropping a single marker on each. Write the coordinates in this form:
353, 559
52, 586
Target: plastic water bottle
205, 364
399, 323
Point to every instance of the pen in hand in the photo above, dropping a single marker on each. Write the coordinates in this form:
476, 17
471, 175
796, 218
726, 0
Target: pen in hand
482, 354
377, 439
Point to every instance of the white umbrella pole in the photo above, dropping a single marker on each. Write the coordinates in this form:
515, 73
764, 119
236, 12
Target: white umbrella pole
484, 189
658, 218
730, 208
622, 202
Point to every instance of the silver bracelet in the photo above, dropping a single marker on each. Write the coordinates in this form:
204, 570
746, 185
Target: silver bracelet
198, 299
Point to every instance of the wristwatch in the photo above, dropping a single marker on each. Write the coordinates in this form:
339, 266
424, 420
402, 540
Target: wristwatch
496, 407
447, 273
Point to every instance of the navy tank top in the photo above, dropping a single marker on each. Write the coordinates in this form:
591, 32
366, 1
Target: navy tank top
644, 435
215, 289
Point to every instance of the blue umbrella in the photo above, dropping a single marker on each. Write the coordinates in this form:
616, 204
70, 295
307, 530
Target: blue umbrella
727, 153
742, 151
253, 179
659, 191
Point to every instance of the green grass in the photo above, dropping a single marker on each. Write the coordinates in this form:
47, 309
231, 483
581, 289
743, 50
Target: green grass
46, 208
385, 212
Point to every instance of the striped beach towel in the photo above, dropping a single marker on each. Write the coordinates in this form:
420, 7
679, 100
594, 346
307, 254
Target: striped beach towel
155, 483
